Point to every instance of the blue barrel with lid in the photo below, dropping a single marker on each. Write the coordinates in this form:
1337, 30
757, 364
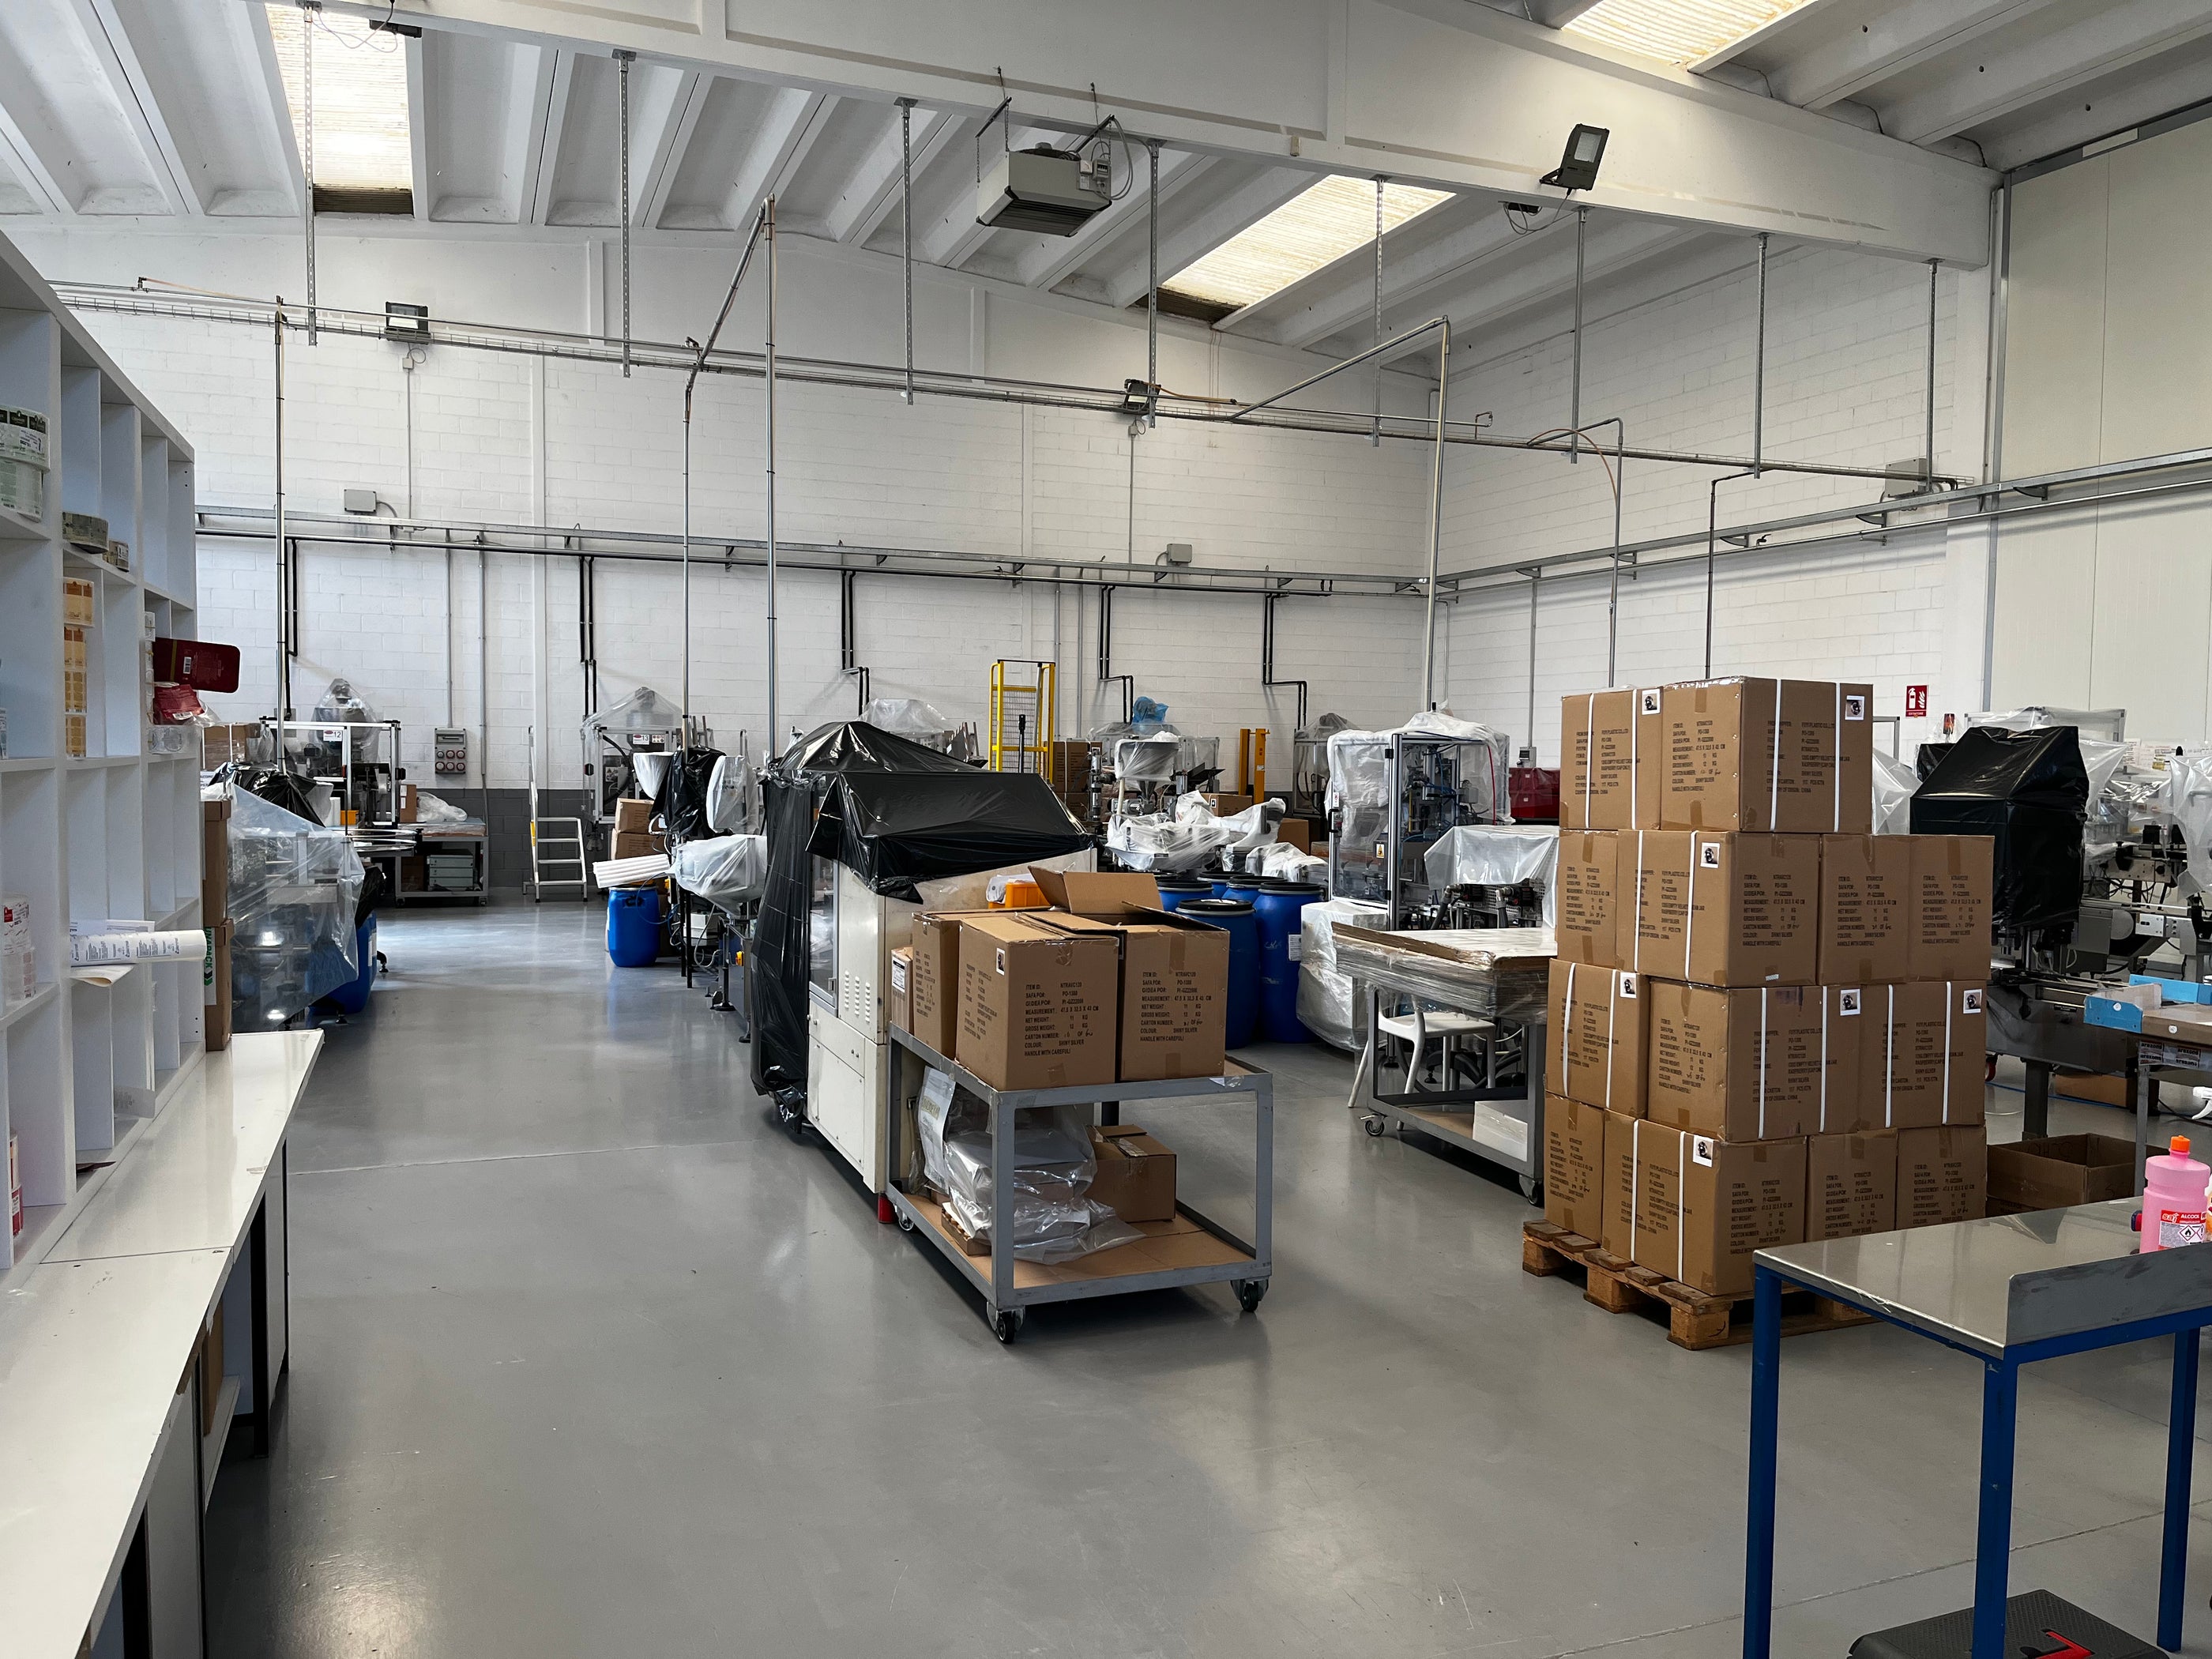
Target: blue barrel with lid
1177, 891
633, 925
1279, 910
1237, 919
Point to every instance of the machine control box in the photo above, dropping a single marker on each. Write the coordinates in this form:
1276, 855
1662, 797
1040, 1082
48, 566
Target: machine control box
450, 752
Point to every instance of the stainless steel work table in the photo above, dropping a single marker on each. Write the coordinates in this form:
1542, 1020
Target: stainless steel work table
2009, 1290
1190, 1250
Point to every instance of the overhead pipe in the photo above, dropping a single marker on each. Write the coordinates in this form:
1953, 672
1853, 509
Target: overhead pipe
1106, 674
906, 238
1928, 468
1758, 372
1575, 397
849, 638
984, 388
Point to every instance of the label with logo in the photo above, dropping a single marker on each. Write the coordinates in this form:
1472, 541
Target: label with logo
1848, 1001
898, 974
1647, 702
1627, 984
1855, 708
1701, 1151
1709, 856
2180, 1227
1002, 958
1970, 1003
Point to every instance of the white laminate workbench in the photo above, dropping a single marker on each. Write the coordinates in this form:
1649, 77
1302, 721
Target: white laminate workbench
98, 1441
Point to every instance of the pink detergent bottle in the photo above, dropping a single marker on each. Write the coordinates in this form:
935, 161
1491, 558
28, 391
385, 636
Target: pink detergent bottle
2174, 1198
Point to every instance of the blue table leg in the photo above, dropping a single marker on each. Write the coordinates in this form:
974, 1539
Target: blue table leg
1766, 1424
2181, 1451
1993, 1538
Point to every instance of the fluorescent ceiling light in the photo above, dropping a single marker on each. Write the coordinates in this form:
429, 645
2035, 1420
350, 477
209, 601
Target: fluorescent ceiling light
362, 149
1322, 223
1683, 32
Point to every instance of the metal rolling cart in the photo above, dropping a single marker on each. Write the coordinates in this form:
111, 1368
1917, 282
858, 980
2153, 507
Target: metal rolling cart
1478, 995
2008, 1290
1189, 1250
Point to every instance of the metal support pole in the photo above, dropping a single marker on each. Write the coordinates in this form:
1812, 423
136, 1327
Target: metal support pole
686, 694
1376, 438
276, 686
1435, 517
1535, 586
1993, 1535
775, 744
623, 61
1152, 292
1934, 276
1759, 373
1613, 597
2180, 1450
906, 231
307, 157
1575, 396
1712, 540
1765, 1427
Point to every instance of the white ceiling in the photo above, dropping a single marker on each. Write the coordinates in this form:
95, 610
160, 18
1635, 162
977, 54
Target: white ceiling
175, 108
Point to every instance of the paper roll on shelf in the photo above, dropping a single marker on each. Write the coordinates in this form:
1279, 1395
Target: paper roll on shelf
184, 944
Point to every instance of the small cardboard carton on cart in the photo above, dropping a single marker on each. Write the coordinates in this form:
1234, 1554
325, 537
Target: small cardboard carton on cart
1174, 970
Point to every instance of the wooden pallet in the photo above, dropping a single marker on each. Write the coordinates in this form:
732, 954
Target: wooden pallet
1694, 1320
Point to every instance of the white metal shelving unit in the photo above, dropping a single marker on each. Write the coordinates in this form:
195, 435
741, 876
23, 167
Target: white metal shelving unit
115, 833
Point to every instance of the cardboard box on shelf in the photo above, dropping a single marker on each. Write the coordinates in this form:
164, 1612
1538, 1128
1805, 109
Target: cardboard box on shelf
1942, 1175
1696, 1207
1929, 1065
1587, 879
1039, 1005
410, 804
1225, 806
1610, 769
934, 999
1717, 907
633, 817
1743, 1064
1574, 1166
220, 744
1851, 1185
1865, 926
1596, 1029
1951, 908
2061, 1170
211, 1369
1296, 832
216, 985
215, 859
1136, 1175
1790, 756
1174, 992
901, 1004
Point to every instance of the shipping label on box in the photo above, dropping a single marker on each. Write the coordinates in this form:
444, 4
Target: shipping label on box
1595, 1027
1942, 1175
1721, 909
1865, 924
1039, 1007
1791, 755
902, 998
1951, 906
1587, 880
1701, 1206
1610, 757
1850, 1186
1574, 1166
1743, 1065
1930, 1064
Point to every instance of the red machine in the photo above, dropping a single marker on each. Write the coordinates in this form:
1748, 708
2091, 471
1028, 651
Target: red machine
1532, 794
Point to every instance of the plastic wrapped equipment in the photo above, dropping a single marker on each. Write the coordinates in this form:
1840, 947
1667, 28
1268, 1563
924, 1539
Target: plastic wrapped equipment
294, 890
1326, 1005
2189, 798
1053, 1219
1498, 855
726, 871
644, 712
1502, 972
2030, 792
1893, 784
1192, 837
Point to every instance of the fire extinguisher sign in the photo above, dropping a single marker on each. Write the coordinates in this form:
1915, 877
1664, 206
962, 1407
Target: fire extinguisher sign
1916, 703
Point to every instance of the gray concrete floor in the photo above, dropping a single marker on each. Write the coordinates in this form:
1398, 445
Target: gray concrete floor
590, 1358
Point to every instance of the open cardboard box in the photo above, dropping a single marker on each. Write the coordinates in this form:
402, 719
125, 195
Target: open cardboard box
2059, 1172
1174, 970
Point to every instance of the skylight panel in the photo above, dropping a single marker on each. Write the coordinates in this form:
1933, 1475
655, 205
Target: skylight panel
364, 159
1319, 224
1683, 32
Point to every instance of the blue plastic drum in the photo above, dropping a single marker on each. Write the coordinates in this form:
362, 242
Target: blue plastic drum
1278, 908
633, 925
1236, 918
1177, 891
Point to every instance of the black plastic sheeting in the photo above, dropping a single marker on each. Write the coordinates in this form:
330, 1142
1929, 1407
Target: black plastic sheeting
681, 802
2030, 790
894, 812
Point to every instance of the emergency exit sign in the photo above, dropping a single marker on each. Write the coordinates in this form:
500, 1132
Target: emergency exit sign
1916, 703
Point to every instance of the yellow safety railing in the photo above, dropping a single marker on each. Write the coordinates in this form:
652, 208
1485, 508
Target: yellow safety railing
1023, 726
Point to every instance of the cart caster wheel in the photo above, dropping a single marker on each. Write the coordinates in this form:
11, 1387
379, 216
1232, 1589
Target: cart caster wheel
1374, 1125
906, 1221
1248, 1292
1532, 1189
1006, 1324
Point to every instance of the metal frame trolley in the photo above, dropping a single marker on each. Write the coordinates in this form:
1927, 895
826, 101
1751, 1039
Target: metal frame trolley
1191, 1250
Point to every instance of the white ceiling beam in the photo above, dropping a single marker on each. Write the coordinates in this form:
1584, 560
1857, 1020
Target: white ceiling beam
1765, 34
1215, 224
1444, 264
39, 184
119, 60
1436, 93
535, 116
1911, 34
872, 193
2068, 124
1558, 13
787, 132
2109, 37
661, 126
559, 87
1353, 272
1060, 258
277, 106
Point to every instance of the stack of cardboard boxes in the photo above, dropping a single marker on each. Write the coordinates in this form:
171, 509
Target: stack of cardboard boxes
635, 837
1101, 986
1766, 1022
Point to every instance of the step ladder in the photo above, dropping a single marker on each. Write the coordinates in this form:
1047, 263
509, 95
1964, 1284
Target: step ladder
556, 858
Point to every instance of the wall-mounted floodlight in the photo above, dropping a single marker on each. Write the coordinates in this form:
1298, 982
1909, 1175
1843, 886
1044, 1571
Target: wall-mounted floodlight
1578, 163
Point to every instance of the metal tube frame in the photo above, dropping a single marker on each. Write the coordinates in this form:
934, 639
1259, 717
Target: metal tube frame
906, 237
1376, 439
1575, 395
1759, 373
1151, 298
278, 687
767, 218
1934, 278
622, 60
